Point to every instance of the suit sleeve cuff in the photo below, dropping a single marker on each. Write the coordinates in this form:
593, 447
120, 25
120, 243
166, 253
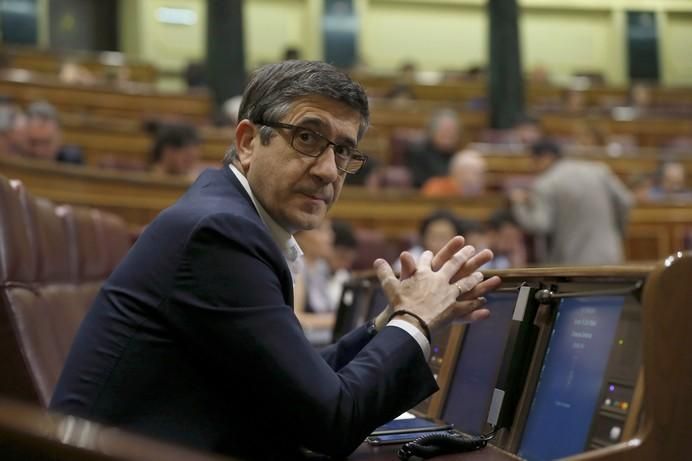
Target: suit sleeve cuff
415, 333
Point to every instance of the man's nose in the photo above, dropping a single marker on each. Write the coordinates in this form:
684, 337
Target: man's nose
325, 166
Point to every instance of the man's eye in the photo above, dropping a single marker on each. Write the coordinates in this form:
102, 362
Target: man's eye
307, 137
342, 151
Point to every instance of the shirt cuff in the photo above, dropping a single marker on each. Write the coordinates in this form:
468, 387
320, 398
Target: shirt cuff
415, 333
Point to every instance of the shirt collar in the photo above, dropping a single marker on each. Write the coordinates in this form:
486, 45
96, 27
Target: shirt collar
284, 240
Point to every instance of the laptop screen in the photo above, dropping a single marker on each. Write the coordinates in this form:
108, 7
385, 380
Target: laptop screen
570, 381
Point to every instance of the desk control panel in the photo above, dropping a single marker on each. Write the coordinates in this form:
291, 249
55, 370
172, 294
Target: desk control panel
617, 394
585, 395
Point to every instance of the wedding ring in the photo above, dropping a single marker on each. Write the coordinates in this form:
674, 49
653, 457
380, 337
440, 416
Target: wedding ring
459, 288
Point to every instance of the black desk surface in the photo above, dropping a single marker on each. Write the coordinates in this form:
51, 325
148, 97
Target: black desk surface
388, 453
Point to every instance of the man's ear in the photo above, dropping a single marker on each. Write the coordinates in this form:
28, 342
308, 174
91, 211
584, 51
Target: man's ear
246, 140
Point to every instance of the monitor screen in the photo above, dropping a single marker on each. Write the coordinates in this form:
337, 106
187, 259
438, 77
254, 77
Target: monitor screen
354, 298
573, 370
377, 303
478, 365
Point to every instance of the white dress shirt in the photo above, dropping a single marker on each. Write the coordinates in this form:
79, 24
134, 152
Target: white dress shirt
294, 258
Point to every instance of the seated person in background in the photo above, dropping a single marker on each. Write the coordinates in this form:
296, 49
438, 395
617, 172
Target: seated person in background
431, 157
525, 132
574, 101
176, 150
45, 135
13, 130
195, 75
641, 185
343, 256
434, 231
6, 120
506, 240
641, 98
312, 303
317, 245
501, 234
466, 177
671, 183
475, 234
73, 73
539, 75
193, 338
586, 134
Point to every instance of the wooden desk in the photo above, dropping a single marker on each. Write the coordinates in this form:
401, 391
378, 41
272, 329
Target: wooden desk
128, 101
466, 90
50, 62
647, 131
137, 197
128, 142
503, 164
663, 429
655, 230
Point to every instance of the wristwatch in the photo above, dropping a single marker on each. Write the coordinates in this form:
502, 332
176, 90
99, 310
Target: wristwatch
371, 328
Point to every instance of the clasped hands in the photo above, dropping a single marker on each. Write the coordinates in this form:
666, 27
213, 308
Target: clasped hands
438, 288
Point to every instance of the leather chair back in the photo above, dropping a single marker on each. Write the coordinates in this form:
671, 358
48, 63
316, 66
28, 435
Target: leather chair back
53, 261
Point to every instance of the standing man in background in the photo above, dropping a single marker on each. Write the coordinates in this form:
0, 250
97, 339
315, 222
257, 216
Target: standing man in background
580, 207
193, 338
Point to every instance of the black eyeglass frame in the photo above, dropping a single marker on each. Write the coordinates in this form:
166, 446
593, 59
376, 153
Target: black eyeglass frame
355, 154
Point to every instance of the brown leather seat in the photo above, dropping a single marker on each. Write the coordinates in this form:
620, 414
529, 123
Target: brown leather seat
53, 261
59, 278
18, 271
115, 236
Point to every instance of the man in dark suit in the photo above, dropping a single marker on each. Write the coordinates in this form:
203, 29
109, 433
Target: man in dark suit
193, 338
44, 136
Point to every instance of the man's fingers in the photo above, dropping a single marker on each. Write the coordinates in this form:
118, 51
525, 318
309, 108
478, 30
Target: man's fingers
474, 263
447, 251
474, 316
482, 288
387, 279
408, 265
470, 311
457, 261
467, 283
425, 260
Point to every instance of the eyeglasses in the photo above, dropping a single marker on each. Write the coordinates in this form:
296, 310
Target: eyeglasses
313, 144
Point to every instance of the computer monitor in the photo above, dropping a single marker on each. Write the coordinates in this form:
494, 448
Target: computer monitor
353, 306
378, 301
478, 365
570, 384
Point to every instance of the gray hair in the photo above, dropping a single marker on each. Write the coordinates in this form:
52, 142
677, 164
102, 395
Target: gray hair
7, 114
42, 110
10, 117
274, 88
443, 114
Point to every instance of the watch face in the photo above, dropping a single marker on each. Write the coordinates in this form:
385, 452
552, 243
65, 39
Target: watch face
371, 327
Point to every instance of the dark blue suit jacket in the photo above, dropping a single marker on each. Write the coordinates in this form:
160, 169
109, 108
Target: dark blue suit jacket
193, 339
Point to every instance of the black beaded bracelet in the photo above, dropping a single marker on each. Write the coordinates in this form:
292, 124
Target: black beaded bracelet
421, 322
